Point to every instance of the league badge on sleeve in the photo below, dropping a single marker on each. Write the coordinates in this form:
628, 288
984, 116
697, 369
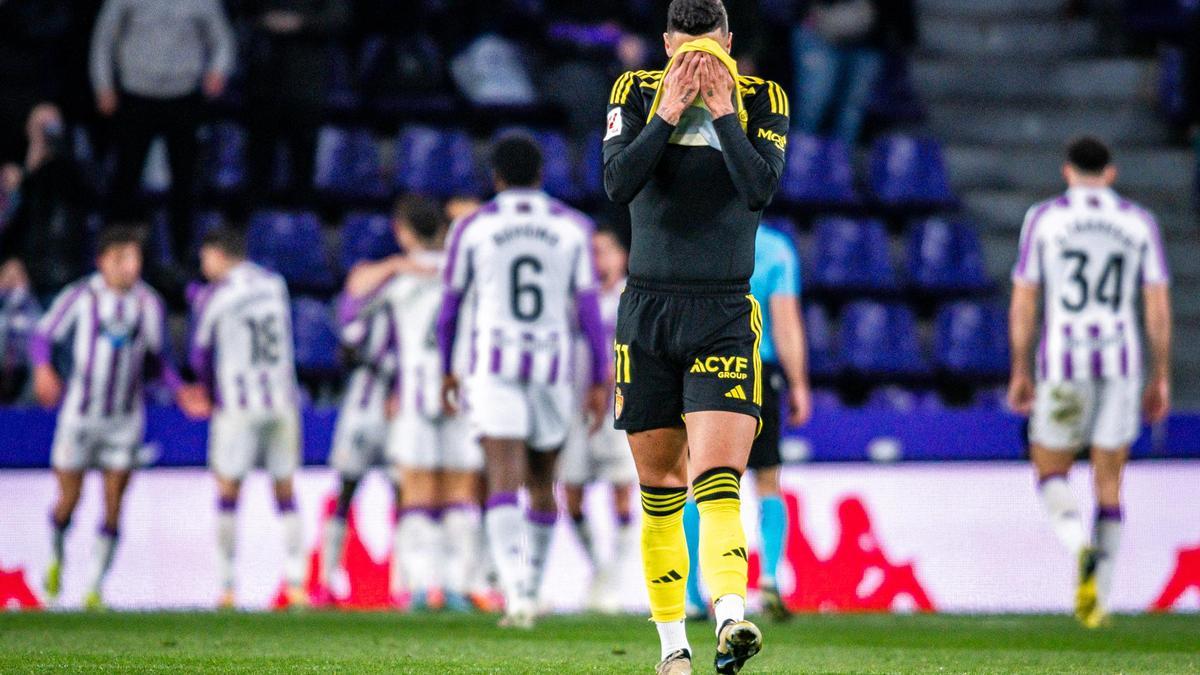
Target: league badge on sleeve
618, 403
615, 124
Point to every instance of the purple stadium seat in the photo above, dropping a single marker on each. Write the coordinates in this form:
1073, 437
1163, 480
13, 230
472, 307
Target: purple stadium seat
291, 244
971, 340
1171, 96
945, 257
366, 236
823, 357
818, 172
826, 399
851, 255
342, 96
436, 162
315, 336
591, 168
991, 398
348, 165
224, 158
881, 340
909, 173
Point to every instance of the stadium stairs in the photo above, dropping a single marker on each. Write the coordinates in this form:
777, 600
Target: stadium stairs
1006, 82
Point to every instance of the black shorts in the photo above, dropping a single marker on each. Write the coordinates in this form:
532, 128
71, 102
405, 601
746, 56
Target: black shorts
683, 349
764, 454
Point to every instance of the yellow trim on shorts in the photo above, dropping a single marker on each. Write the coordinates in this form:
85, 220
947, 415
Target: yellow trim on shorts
756, 328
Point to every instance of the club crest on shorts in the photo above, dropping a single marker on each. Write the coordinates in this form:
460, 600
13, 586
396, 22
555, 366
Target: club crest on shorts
618, 403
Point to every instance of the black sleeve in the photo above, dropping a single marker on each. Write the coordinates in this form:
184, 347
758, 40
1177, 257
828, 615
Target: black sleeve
754, 157
631, 146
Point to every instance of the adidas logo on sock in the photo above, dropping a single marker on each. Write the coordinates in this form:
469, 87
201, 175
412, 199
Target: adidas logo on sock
738, 552
667, 578
737, 392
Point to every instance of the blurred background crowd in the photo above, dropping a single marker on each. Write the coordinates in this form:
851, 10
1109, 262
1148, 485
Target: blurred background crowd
921, 132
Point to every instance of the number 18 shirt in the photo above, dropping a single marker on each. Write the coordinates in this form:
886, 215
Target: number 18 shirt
1091, 251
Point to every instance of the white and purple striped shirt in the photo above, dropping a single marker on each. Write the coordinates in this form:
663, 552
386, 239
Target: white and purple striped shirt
1091, 251
118, 341
242, 345
368, 329
415, 301
528, 259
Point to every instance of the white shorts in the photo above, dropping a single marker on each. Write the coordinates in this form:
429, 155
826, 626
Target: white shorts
602, 457
538, 414
1070, 415
240, 441
111, 444
418, 442
359, 441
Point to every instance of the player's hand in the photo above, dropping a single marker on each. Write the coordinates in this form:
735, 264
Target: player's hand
680, 88
106, 102
392, 407
597, 406
47, 386
409, 265
1021, 393
450, 395
214, 84
194, 401
716, 86
1156, 400
799, 404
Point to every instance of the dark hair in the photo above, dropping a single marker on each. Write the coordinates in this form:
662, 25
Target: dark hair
227, 240
118, 235
697, 17
422, 215
1089, 154
517, 160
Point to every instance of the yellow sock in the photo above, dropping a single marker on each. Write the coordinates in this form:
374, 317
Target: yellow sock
722, 539
664, 551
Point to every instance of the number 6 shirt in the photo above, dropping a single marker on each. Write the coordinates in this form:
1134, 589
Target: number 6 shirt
528, 257
1091, 251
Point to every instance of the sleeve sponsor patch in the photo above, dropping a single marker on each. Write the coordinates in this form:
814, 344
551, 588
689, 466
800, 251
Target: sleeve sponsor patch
616, 123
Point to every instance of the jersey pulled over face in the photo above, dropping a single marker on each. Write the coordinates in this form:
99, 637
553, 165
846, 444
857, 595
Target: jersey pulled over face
245, 324
525, 256
695, 191
1091, 251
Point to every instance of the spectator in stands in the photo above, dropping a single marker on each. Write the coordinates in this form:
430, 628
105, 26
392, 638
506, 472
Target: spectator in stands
152, 64
40, 239
839, 50
30, 32
288, 83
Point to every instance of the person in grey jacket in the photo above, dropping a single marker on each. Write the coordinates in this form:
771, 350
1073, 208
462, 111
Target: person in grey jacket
153, 64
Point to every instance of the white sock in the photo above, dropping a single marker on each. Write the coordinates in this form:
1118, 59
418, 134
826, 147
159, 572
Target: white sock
628, 543
420, 554
332, 547
541, 533
397, 581
729, 608
672, 636
1106, 537
505, 525
1063, 510
226, 544
460, 526
293, 545
106, 545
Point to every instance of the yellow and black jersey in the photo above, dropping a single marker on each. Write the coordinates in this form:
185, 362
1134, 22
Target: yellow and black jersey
695, 190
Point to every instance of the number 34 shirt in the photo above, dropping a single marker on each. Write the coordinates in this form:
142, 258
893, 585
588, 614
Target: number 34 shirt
1091, 251
242, 345
528, 258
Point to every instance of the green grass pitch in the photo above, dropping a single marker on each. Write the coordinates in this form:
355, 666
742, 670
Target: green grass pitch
447, 643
